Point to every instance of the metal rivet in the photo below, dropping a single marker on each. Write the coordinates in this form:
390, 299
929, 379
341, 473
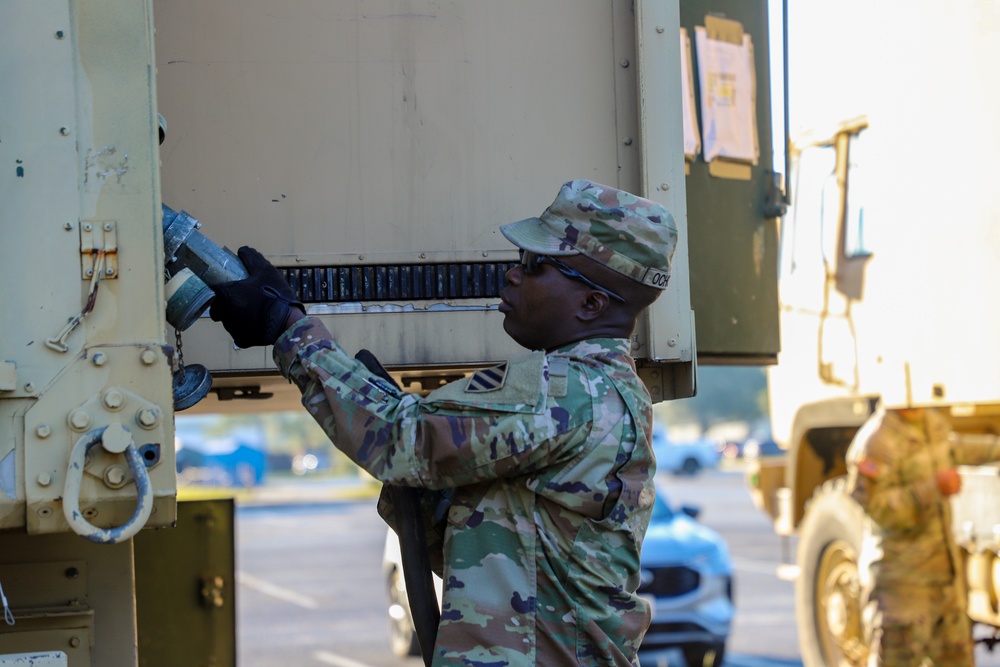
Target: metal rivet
625, 62
99, 359
89, 272
660, 29
88, 227
664, 186
64, 131
68, 226
29, 387
108, 226
60, 34
109, 271
628, 141
672, 342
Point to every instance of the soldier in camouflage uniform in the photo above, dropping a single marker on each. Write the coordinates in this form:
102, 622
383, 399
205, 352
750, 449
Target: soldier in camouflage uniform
901, 469
548, 454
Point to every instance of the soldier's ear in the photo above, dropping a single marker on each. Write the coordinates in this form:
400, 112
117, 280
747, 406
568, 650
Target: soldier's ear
593, 305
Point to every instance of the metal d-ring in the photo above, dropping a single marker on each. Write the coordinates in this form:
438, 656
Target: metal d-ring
117, 440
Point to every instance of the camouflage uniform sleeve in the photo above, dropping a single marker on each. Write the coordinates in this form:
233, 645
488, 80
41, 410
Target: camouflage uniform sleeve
970, 450
435, 443
877, 484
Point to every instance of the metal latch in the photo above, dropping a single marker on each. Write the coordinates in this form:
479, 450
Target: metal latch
99, 249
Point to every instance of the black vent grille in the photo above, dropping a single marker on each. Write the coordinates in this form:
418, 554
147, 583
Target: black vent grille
670, 582
390, 282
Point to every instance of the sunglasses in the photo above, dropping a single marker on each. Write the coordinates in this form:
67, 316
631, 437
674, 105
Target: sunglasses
531, 261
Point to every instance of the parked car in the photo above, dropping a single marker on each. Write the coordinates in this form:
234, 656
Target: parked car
683, 457
754, 449
686, 575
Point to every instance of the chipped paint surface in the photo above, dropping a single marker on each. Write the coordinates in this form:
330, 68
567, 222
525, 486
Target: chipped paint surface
105, 164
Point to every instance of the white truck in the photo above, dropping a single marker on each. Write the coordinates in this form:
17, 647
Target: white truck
890, 257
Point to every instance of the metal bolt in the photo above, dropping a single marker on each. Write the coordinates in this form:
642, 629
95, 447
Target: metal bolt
44, 479
68, 226
74, 641
64, 131
88, 227
89, 272
99, 359
114, 476
664, 186
628, 141
29, 387
109, 271
147, 417
43, 431
672, 342
660, 29
625, 62
79, 420
60, 34
108, 226
113, 399
148, 357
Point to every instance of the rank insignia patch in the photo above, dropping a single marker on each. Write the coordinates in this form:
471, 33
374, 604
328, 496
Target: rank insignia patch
488, 379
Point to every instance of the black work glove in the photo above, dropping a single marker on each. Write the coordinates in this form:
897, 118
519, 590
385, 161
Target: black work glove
254, 310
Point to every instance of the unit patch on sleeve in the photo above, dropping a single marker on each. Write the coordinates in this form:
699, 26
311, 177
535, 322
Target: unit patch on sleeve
488, 379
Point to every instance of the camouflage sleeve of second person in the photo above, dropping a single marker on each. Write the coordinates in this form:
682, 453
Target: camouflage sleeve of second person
400, 438
975, 449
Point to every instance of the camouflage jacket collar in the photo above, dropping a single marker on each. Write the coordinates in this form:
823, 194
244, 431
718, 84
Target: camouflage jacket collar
598, 351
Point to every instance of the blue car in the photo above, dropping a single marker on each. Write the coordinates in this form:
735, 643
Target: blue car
687, 576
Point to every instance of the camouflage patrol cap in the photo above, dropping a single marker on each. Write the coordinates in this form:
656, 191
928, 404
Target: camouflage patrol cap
633, 236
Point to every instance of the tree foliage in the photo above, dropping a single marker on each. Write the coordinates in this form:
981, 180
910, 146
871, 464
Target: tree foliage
725, 393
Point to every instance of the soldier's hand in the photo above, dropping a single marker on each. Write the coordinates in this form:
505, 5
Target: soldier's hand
254, 310
948, 481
